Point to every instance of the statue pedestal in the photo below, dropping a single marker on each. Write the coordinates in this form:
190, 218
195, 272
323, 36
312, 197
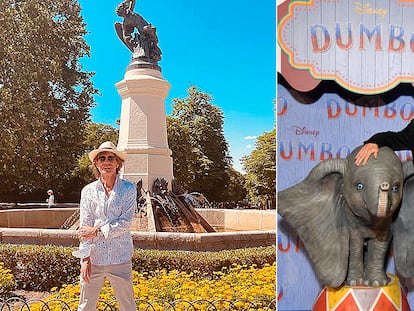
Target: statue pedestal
143, 129
363, 298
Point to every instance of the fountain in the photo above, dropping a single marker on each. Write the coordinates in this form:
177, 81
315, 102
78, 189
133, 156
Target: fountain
165, 218
163, 211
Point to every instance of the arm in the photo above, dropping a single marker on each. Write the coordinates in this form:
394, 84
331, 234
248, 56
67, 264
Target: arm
85, 270
86, 231
402, 140
122, 224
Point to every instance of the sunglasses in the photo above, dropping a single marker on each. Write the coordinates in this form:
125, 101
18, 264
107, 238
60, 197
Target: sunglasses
103, 158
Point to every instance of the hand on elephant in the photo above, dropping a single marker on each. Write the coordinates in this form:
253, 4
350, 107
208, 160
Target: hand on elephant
365, 152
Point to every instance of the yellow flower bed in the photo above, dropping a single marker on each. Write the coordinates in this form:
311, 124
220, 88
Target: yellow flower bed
237, 285
6, 281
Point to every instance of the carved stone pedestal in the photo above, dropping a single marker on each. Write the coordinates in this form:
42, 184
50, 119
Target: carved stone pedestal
363, 298
143, 131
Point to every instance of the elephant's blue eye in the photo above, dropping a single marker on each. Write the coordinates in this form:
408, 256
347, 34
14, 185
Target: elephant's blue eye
395, 188
359, 186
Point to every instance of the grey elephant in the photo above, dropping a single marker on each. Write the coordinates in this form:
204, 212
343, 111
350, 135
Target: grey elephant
346, 216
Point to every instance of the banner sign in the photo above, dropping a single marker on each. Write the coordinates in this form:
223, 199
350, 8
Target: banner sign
365, 46
329, 128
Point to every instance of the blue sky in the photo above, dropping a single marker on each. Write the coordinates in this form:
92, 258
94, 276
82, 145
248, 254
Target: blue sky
224, 47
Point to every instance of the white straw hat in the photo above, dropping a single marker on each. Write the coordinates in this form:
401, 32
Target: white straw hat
106, 147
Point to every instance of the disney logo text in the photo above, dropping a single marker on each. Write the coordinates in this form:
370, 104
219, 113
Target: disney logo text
304, 131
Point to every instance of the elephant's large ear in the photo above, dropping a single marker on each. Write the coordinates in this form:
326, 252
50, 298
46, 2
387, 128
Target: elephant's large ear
403, 228
408, 169
314, 208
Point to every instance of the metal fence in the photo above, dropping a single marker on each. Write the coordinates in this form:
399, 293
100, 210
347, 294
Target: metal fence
19, 304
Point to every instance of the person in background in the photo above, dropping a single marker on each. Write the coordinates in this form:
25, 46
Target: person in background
402, 140
107, 207
51, 200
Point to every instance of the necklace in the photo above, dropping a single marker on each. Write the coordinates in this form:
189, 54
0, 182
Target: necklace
107, 188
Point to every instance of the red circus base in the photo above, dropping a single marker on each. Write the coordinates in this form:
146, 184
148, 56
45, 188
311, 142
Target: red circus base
363, 298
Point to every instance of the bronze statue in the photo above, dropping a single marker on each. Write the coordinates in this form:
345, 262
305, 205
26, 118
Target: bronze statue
136, 33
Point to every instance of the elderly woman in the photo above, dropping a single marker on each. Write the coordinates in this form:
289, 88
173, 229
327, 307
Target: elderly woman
107, 207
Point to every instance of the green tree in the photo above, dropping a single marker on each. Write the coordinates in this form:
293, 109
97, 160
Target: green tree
97, 133
260, 167
236, 190
183, 158
45, 97
200, 151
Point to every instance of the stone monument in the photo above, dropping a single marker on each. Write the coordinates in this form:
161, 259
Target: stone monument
163, 206
143, 130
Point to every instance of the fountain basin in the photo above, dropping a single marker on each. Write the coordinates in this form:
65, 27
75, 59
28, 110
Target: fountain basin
239, 220
38, 227
37, 216
147, 240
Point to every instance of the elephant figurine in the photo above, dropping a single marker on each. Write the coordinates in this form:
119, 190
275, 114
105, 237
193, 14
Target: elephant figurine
347, 215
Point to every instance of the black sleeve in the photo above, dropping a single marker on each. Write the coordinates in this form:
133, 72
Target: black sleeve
403, 140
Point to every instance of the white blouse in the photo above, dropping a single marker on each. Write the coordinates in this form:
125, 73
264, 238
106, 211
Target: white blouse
113, 215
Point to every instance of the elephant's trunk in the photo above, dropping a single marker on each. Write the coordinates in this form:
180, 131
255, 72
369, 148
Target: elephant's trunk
383, 199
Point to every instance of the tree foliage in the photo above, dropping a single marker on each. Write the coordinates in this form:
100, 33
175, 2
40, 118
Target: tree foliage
260, 167
97, 133
45, 97
236, 190
200, 151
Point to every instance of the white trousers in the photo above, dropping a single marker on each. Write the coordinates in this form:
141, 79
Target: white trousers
120, 277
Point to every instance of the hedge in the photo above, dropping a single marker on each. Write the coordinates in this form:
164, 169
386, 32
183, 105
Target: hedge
40, 268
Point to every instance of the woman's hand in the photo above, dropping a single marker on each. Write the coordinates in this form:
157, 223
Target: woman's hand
365, 152
87, 233
86, 269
